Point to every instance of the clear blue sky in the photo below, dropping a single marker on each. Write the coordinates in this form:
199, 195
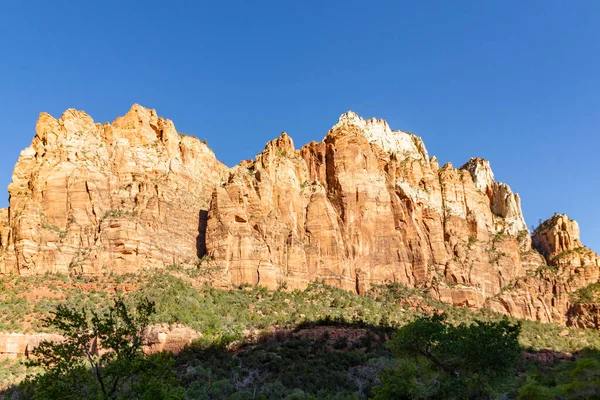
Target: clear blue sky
516, 82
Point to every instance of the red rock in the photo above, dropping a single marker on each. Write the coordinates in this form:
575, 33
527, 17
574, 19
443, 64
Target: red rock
366, 205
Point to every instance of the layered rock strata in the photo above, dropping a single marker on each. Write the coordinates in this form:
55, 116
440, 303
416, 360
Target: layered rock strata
99, 198
366, 205
156, 339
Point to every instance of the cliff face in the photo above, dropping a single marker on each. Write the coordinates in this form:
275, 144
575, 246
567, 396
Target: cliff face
364, 206
545, 293
98, 198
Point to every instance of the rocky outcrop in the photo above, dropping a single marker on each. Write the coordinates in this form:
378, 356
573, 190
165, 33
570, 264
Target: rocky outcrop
545, 293
584, 316
366, 205
98, 198
170, 338
505, 205
14, 345
156, 338
556, 236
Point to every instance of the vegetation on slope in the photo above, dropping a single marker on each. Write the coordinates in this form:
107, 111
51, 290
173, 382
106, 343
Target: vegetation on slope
321, 342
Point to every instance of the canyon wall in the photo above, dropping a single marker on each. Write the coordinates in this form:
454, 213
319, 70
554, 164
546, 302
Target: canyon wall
366, 205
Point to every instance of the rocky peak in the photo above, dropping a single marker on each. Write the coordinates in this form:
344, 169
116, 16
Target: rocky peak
556, 235
378, 131
279, 149
365, 206
140, 121
142, 126
90, 198
283, 144
503, 202
482, 174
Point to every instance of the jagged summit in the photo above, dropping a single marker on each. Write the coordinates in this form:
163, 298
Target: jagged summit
78, 176
378, 131
556, 235
481, 172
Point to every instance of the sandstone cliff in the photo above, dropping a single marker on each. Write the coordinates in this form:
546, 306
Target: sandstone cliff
99, 198
367, 205
364, 206
545, 293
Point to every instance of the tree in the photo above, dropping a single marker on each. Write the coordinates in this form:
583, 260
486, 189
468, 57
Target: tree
441, 360
101, 356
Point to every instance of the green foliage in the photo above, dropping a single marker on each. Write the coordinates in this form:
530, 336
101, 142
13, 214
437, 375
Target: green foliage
577, 250
531, 391
545, 271
75, 368
13, 310
11, 371
472, 241
62, 234
537, 336
226, 317
183, 135
281, 366
588, 294
117, 213
522, 234
498, 237
576, 379
452, 361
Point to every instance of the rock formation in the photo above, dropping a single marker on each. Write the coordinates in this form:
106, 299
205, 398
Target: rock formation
364, 206
156, 338
544, 293
99, 198
367, 205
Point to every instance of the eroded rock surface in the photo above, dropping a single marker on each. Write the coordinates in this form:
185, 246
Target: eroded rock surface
545, 293
98, 198
366, 205
156, 338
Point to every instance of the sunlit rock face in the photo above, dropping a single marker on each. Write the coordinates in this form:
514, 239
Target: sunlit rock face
566, 266
98, 198
504, 204
366, 205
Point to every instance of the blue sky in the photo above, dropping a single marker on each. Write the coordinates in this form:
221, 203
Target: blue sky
515, 82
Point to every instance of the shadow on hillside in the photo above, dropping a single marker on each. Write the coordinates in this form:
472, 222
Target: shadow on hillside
326, 358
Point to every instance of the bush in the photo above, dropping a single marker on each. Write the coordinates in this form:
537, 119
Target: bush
452, 361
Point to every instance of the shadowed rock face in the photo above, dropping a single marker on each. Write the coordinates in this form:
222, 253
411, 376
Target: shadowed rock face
156, 338
366, 205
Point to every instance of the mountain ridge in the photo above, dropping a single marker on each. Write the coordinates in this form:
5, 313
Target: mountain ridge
365, 205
